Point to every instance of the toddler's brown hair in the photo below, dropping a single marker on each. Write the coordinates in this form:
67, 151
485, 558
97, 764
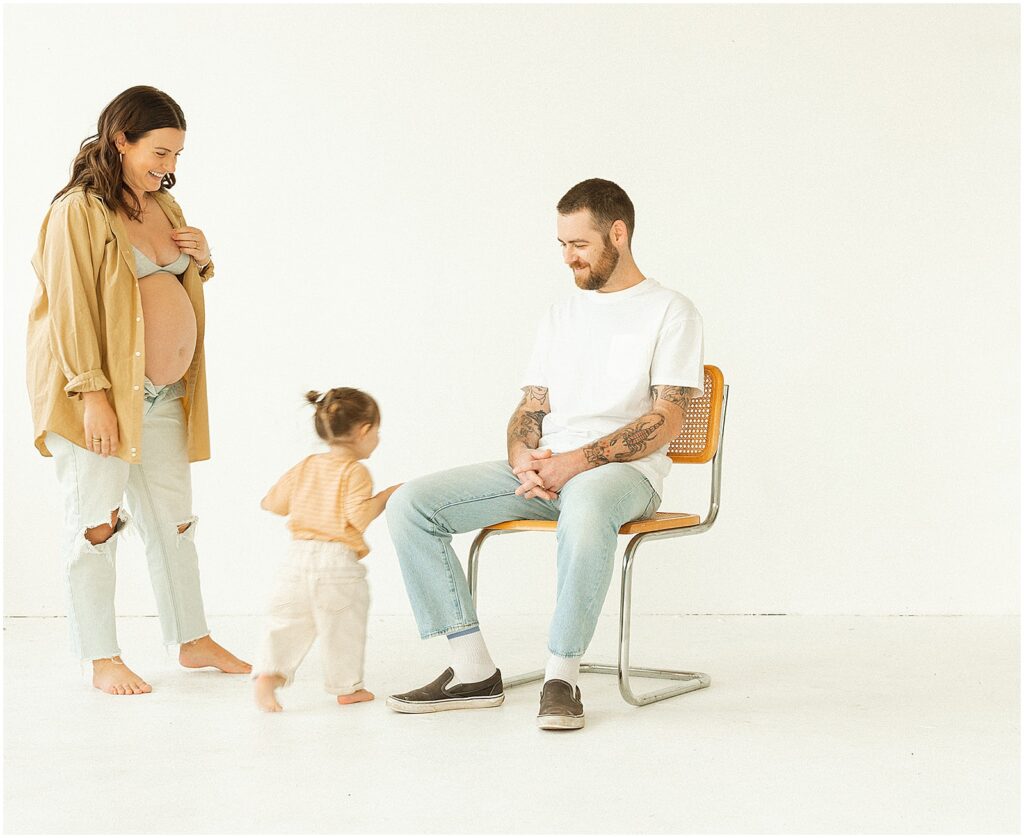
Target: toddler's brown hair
341, 410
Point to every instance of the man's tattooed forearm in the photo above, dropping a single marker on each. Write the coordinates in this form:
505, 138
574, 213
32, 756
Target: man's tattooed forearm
626, 444
636, 436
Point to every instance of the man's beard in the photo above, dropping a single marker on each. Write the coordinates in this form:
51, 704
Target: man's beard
602, 271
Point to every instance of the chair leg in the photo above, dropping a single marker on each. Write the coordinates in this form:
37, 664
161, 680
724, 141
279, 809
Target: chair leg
473, 564
693, 680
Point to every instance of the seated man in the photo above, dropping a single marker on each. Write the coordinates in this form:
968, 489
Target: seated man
612, 371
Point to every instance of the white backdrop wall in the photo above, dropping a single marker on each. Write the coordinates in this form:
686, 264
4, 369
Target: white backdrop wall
836, 188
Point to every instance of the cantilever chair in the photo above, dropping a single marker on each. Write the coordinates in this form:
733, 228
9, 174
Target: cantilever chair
699, 441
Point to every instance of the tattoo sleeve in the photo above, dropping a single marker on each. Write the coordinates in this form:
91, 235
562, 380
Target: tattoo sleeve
630, 442
525, 425
679, 396
644, 435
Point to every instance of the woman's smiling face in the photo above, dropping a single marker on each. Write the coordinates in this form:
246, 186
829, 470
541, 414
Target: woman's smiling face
146, 162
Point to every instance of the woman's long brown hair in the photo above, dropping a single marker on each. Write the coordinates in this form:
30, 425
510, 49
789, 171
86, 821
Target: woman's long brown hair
97, 166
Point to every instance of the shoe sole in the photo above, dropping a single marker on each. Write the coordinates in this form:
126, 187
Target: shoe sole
560, 722
400, 706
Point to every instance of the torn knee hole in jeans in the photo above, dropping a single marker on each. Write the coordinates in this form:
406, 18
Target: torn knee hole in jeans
122, 521
187, 529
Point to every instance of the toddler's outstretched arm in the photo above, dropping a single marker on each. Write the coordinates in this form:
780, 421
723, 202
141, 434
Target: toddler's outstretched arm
375, 505
364, 507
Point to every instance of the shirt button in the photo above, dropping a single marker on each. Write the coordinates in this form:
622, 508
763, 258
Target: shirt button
136, 386
138, 319
138, 354
133, 452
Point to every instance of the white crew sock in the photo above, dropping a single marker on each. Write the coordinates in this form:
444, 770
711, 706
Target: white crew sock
470, 658
564, 669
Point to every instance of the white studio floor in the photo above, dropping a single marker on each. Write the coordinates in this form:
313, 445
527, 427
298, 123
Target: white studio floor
811, 724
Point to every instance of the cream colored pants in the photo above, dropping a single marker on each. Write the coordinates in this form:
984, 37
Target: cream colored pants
321, 592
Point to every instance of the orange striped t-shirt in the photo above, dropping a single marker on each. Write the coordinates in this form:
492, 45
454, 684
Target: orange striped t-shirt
325, 498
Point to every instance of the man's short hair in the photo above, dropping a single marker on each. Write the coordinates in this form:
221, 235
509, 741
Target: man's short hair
607, 202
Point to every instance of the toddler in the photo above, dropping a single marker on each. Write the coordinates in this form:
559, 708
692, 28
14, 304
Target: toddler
321, 590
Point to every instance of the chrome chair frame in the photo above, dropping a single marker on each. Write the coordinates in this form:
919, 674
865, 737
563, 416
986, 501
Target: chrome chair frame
692, 680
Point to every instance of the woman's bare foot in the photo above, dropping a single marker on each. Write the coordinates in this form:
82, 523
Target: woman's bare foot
112, 676
356, 697
205, 652
263, 689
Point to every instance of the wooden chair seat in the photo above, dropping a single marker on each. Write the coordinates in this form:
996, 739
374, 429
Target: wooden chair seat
661, 521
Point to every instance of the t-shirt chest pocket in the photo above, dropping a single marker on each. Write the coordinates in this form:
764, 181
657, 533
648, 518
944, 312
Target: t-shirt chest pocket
628, 358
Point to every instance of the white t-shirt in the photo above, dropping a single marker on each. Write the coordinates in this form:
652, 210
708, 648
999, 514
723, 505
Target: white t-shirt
600, 354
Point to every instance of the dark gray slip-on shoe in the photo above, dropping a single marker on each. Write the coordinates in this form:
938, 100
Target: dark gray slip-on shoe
560, 709
437, 696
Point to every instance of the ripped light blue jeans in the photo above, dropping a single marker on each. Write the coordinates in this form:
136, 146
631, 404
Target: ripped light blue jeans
424, 513
159, 495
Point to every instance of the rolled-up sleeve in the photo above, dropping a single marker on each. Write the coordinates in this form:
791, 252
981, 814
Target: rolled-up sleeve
70, 260
207, 272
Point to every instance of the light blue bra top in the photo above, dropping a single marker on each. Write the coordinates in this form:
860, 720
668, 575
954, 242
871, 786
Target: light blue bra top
144, 266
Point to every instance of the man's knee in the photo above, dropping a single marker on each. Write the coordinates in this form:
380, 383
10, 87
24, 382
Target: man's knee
419, 502
402, 504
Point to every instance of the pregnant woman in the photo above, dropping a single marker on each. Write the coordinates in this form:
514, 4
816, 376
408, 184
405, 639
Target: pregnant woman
117, 379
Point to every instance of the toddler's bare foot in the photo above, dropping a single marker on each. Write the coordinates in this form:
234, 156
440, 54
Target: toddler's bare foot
356, 697
263, 689
206, 652
112, 676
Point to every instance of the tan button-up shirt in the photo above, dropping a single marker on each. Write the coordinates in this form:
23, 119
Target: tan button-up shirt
86, 332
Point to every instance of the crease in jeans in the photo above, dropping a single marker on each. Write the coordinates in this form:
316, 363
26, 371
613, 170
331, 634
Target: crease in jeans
453, 589
163, 553
440, 509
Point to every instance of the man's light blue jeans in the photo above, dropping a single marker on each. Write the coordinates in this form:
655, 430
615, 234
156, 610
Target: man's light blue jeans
424, 514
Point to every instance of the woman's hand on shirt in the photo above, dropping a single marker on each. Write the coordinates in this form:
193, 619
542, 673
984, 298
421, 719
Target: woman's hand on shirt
192, 240
100, 424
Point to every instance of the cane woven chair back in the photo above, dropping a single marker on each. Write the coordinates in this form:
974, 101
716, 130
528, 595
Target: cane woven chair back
697, 441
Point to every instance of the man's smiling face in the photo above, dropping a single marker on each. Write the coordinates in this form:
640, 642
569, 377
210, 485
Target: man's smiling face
589, 252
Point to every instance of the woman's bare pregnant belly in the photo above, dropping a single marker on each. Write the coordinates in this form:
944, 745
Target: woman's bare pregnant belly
170, 324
